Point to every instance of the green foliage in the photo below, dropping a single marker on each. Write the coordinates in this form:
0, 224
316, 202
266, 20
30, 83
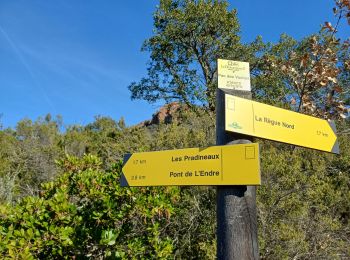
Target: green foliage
303, 204
109, 139
27, 157
189, 130
188, 38
85, 213
310, 76
195, 224
82, 213
8, 175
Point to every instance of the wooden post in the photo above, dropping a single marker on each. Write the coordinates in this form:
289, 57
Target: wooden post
237, 236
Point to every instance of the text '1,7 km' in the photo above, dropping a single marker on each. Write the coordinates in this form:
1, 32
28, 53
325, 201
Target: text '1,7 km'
216, 165
261, 120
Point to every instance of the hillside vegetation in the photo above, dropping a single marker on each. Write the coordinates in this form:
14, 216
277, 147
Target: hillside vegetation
59, 190
60, 195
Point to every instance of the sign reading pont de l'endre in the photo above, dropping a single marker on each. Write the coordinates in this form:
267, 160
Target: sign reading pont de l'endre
233, 75
216, 165
256, 119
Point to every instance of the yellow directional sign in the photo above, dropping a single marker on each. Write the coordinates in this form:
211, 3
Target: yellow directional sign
216, 165
256, 119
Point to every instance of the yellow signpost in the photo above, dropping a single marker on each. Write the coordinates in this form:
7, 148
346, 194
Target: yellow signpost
265, 121
216, 165
233, 75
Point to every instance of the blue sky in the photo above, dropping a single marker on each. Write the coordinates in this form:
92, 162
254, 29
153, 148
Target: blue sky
76, 58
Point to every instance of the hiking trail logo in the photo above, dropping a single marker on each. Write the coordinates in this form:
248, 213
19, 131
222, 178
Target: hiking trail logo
235, 125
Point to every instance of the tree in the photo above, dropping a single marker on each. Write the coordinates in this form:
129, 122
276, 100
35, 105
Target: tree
27, 157
314, 73
303, 204
189, 36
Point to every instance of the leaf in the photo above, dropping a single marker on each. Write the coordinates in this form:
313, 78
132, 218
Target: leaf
338, 89
323, 83
334, 80
329, 27
304, 60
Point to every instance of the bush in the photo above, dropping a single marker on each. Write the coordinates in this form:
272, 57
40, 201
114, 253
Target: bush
85, 214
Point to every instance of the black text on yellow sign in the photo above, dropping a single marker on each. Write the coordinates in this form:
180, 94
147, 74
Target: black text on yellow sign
216, 165
257, 119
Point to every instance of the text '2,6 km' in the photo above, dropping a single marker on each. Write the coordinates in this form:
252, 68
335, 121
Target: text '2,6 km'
216, 165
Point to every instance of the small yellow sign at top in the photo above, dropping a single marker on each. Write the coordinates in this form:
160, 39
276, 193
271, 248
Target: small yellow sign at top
233, 75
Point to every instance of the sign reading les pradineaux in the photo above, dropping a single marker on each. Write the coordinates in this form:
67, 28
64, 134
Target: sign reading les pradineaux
256, 119
216, 165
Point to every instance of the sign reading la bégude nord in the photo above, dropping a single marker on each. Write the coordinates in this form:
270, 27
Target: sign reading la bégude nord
233, 75
216, 165
256, 119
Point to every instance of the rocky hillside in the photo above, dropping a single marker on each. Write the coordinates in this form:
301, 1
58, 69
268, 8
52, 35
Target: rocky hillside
166, 114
